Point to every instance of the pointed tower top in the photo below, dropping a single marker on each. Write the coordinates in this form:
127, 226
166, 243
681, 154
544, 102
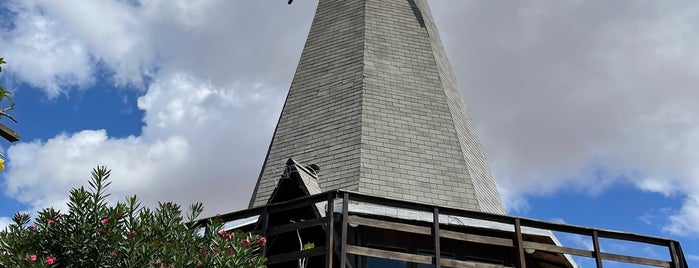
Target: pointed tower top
374, 103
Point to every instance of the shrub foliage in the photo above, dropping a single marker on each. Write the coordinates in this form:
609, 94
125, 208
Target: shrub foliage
94, 234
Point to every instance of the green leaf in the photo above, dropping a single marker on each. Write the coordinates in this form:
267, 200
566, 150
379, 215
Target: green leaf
144, 235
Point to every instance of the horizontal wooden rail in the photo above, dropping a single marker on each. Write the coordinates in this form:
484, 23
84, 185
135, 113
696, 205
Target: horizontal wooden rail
387, 254
469, 264
296, 255
636, 260
403, 227
271, 208
429, 208
557, 249
497, 241
296, 226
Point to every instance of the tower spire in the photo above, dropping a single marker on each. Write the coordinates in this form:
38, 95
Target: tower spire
375, 104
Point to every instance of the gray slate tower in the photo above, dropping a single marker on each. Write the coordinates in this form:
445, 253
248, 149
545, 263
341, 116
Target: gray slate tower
374, 103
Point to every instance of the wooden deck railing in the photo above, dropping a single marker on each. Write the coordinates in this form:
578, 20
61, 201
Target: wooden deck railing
339, 213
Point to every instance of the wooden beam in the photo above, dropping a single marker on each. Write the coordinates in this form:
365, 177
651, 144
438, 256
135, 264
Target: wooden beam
435, 236
557, 249
409, 228
591, 254
597, 251
673, 255
415, 229
343, 242
497, 241
265, 227
330, 231
382, 201
636, 260
296, 226
469, 264
9, 134
518, 242
387, 254
632, 237
295, 255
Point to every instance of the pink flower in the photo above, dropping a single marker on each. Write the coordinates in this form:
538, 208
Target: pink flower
32, 258
245, 243
112, 254
199, 264
227, 235
50, 222
261, 241
31, 228
50, 260
105, 221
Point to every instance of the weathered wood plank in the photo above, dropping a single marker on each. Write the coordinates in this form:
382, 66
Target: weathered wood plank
591, 254
468, 264
636, 260
557, 249
390, 225
330, 232
343, 229
435, 236
505, 242
519, 241
595, 247
391, 255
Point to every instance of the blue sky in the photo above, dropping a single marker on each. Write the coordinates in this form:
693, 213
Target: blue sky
586, 110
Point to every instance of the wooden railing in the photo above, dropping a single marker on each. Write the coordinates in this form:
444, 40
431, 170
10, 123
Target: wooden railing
338, 212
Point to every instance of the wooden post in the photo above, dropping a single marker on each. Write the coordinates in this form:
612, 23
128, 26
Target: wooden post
520, 249
435, 234
265, 226
343, 238
673, 256
595, 244
330, 232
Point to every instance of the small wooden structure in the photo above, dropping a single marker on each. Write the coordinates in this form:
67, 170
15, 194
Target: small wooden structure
358, 230
9, 134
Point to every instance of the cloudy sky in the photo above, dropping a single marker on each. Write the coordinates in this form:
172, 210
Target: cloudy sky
586, 110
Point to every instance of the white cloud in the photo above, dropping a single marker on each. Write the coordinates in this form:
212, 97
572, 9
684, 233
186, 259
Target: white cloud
581, 95
210, 103
569, 95
199, 144
43, 56
55, 46
4, 222
684, 222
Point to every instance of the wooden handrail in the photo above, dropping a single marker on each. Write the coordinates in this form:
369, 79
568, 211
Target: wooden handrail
677, 259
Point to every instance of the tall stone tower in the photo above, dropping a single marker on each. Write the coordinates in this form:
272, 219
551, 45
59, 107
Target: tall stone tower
374, 103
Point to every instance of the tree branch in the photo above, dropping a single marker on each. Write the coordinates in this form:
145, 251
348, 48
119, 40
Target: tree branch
3, 112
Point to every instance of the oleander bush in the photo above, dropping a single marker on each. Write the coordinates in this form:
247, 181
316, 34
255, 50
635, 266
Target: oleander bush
93, 233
